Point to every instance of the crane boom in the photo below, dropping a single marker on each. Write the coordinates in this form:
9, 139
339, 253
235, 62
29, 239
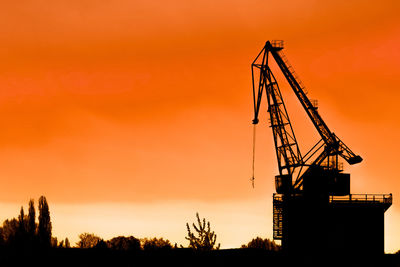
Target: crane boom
330, 139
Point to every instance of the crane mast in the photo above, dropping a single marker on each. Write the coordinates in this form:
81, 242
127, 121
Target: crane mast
287, 150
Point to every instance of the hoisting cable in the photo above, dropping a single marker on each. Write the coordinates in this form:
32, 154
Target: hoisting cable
254, 154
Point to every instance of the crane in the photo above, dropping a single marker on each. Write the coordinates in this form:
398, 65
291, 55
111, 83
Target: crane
288, 153
317, 206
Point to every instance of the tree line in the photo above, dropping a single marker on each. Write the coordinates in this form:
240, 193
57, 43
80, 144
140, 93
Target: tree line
128, 243
25, 232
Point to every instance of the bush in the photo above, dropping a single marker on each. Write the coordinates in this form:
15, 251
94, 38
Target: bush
124, 243
156, 244
259, 243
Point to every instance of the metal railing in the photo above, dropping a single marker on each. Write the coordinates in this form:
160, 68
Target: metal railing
332, 165
362, 198
352, 198
292, 71
277, 43
314, 102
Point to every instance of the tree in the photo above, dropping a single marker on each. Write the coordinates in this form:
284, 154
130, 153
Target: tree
21, 222
21, 234
156, 244
54, 242
101, 244
259, 243
44, 228
67, 245
87, 240
31, 219
124, 243
10, 229
205, 239
2, 241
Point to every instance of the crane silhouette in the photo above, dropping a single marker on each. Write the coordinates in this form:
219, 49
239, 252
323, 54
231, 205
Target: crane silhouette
312, 199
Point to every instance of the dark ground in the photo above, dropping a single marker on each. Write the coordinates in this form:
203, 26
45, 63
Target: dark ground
184, 257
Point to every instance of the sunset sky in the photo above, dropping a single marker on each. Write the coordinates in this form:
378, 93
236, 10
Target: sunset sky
130, 116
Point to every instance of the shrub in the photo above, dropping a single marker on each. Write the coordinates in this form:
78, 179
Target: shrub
124, 243
205, 238
156, 244
259, 243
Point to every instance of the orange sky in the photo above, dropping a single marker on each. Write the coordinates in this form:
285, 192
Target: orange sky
146, 102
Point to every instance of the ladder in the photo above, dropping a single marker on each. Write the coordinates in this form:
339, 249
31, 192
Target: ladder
278, 216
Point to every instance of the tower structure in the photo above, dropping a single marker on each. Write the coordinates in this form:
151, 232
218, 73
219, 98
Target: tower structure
313, 206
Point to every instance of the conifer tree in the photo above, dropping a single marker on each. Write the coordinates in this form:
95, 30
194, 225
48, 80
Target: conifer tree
44, 227
20, 237
31, 219
21, 222
67, 245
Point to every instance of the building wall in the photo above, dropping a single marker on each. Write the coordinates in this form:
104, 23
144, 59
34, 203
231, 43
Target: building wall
333, 228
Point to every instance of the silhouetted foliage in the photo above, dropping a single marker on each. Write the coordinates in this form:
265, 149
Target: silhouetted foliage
124, 243
31, 220
54, 242
63, 243
21, 222
24, 233
44, 227
259, 243
87, 240
2, 242
66, 243
10, 230
398, 252
101, 244
21, 235
204, 239
20, 232
156, 244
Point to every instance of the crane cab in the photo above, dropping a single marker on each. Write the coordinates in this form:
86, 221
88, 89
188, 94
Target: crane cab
326, 182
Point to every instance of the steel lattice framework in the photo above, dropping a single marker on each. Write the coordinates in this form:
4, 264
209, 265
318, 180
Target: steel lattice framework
287, 149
